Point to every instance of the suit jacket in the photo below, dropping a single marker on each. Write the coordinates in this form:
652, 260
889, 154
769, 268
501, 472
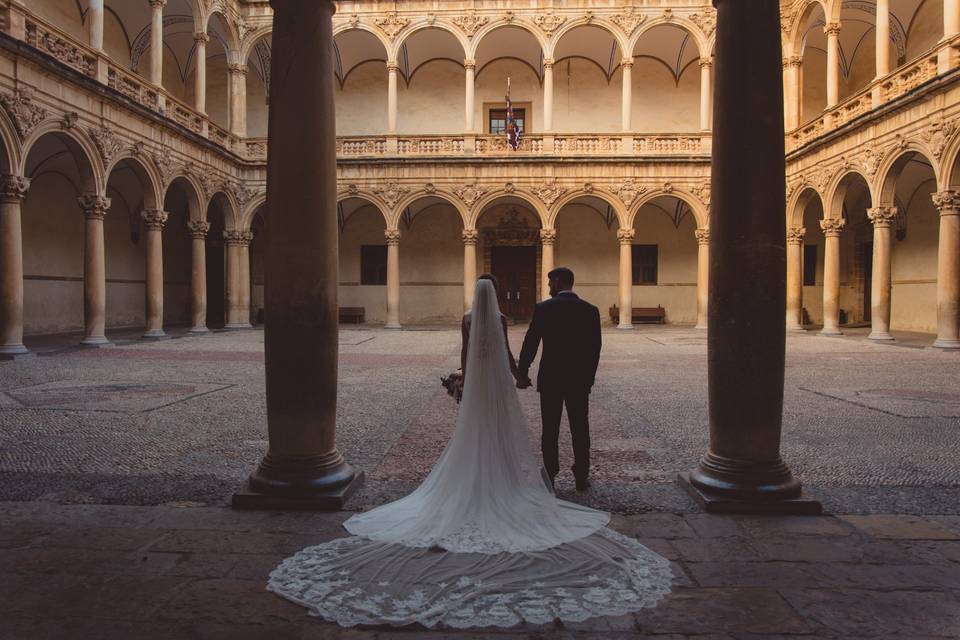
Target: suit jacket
570, 330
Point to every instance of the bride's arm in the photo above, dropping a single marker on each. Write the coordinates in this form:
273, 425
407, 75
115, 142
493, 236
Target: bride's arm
465, 336
510, 358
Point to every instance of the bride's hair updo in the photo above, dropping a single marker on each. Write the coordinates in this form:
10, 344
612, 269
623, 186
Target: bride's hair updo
492, 278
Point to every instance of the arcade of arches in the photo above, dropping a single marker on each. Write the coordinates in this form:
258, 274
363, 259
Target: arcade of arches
134, 148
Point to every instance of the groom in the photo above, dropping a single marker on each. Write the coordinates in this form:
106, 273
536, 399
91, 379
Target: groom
570, 330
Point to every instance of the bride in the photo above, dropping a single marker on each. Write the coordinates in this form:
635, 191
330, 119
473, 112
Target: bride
483, 541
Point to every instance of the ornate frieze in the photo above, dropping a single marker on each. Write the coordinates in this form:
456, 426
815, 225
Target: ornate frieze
706, 20
13, 188
628, 191
63, 50
832, 226
108, 143
470, 193
629, 20
198, 229
154, 218
549, 22
94, 206
392, 24
470, 22
391, 193
548, 192
25, 113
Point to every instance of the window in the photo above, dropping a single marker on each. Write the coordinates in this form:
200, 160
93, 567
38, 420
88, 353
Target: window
498, 120
373, 264
644, 264
809, 265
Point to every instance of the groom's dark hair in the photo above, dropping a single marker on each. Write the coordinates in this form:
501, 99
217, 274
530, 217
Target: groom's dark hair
563, 276
492, 278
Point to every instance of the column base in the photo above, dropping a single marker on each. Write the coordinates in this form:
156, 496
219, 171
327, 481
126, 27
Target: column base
233, 326
317, 483
95, 342
15, 352
881, 336
796, 329
830, 332
712, 503
392, 326
155, 334
941, 343
199, 331
625, 327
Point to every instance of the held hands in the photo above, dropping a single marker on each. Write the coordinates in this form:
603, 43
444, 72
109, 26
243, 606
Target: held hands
523, 381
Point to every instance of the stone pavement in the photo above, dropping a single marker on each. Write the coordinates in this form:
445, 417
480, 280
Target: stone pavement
98, 572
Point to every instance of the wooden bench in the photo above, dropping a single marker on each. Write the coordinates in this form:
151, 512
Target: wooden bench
356, 315
656, 315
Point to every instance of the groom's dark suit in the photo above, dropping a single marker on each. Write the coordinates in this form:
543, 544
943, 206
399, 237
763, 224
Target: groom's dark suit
570, 330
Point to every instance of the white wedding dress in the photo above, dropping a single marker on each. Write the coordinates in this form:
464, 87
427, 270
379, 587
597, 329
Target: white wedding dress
483, 541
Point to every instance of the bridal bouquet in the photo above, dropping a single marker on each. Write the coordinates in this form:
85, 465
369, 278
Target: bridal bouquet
453, 383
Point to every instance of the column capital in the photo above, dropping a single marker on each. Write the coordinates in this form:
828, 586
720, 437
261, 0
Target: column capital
158, 4
392, 66
702, 235
13, 188
469, 63
832, 226
548, 236
626, 236
548, 63
392, 236
236, 238
93, 205
198, 228
237, 67
948, 202
627, 62
882, 216
154, 218
832, 28
201, 37
470, 236
706, 62
793, 61
795, 235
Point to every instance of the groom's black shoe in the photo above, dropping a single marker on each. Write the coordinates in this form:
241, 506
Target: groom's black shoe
583, 485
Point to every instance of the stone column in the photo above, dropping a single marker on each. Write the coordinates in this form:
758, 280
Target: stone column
244, 259
13, 189
832, 227
948, 270
154, 219
792, 91
303, 468
703, 276
393, 278
156, 42
470, 69
743, 470
392, 68
795, 278
198, 276
469, 266
706, 93
94, 21
238, 100
548, 95
94, 208
625, 238
233, 241
946, 58
200, 76
883, 38
833, 63
548, 237
882, 219
627, 114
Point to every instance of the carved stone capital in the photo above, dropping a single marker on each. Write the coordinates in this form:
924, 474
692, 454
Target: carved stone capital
198, 228
154, 218
13, 189
882, 216
795, 235
201, 38
626, 236
627, 63
548, 63
393, 66
469, 63
236, 238
237, 68
94, 206
832, 227
948, 202
158, 4
702, 236
548, 236
706, 62
470, 236
392, 236
832, 28
793, 61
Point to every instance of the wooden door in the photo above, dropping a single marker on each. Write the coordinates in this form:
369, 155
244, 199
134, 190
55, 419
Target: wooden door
516, 271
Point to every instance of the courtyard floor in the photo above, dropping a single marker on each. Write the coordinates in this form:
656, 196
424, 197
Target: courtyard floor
116, 466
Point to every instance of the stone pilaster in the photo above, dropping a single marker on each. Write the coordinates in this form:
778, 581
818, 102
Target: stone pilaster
156, 41
13, 190
948, 270
94, 208
154, 220
832, 227
882, 219
198, 276
200, 72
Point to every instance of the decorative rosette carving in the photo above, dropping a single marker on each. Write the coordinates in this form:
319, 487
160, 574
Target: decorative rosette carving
13, 188
795, 235
626, 236
154, 218
391, 193
548, 192
549, 22
470, 193
470, 22
629, 191
94, 206
198, 228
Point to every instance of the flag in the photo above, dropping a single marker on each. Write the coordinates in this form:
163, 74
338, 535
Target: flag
513, 131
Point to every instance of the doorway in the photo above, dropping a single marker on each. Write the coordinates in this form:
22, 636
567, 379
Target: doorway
865, 267
515, 268
216, 311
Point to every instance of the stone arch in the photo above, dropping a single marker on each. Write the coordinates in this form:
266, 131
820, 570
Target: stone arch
836, 191
453, 201
601, 194
673, 21
379, 204
251, 209
532, 201
233, 37
148, 176
795, 40
487, 29
700, 212
231, 220
10, 154
195, 188
890, 169
442, 25
951, 163
377, 33
583, 21
248, 44
81, 147
805, 195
